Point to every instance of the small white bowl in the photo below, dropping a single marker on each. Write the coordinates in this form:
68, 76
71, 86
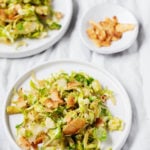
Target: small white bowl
99, 13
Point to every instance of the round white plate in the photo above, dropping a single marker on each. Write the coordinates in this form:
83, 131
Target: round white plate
38, 45
122, 109
100, 12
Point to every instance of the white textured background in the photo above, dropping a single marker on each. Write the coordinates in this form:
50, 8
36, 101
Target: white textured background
131, 67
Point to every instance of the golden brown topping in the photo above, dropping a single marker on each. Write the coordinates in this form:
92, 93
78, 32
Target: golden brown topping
3, 15
74, 126
107, 31
55, 96
104, 98
58, 15
40, 139
98, 122
70, 101
51, 104
24, 143
124, 27
68, 118
72, 85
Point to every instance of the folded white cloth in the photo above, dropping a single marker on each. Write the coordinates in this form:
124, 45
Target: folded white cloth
131, 67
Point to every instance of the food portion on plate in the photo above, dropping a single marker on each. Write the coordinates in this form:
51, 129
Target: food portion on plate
64, 111
27, 19
105, 32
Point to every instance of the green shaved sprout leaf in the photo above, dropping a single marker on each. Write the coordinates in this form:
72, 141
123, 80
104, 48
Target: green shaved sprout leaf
19, 125
33, 85
54, 26
101, 134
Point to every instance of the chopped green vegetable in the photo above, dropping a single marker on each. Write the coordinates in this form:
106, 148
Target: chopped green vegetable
54, 26
64, 111
26, 19
101, 134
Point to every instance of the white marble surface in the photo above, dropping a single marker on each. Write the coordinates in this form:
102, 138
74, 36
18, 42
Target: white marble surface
130, 67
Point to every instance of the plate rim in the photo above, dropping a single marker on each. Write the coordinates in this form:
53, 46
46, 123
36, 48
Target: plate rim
41, 48
94, 48
36, 67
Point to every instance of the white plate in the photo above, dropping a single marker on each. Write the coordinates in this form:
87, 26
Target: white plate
38, 45
122, 109
100, 12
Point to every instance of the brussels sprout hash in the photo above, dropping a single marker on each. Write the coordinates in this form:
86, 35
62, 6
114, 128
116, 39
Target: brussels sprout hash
27, 19
64, 112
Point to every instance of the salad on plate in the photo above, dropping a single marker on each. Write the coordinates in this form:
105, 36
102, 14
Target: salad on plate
66, 111
27, 19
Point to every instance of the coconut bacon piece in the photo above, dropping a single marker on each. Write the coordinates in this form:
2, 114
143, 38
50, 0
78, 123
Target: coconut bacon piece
73, 85
70, 101
74, 126
24, 143
55, 96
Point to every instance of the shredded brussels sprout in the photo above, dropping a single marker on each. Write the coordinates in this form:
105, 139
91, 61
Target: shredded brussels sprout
64, 111
27, 19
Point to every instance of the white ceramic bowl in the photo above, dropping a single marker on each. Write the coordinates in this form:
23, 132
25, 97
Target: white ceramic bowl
38, 45
122, 109
100, 12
